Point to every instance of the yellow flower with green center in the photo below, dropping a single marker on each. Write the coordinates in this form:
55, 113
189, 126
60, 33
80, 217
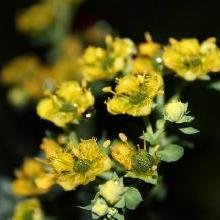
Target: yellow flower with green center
137, 162
134, 94
24, 184
30, 21
66, 105
28, 209
191, 60
98, 63
77, 166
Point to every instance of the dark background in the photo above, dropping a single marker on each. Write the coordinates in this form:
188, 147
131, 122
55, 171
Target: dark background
194, 181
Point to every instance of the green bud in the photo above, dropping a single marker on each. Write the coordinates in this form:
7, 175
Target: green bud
175, 110
111, 191
100, 207
142, 161
112, 212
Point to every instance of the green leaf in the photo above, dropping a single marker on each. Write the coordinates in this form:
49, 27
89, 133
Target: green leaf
189, 130
171, 153
119, 217
132, 198
121, 203
160, 124
88, 207
152, 138
215, 85
152, 179
186, 119
205, 77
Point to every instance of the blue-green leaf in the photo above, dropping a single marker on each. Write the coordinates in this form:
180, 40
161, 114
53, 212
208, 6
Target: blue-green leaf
132, 198
189, 130
215, 85
171, 153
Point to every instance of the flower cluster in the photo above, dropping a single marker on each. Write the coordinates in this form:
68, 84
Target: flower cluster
70, 81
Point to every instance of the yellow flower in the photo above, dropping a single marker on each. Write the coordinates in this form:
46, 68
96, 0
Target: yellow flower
20, 69
99, 63
28, 209
66, 105
149, 48
137, 162
30, 21
142, 65
25, 184
148, 58
191, 60
111, 191
77, 166
122, 152
134, 94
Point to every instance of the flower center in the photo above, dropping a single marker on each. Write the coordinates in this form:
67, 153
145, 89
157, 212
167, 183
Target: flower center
193, 62
137, 97
81, 166
142, 161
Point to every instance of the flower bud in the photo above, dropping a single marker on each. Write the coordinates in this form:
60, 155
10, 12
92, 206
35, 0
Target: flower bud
111, 191
100, 207
175, 110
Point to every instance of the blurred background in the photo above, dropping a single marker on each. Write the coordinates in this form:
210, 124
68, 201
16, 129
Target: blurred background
193, 183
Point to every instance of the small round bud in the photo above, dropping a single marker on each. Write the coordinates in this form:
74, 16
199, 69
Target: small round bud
100, 207
123, 137
107, 143
175, 110
111, 191
142, 161
112, 212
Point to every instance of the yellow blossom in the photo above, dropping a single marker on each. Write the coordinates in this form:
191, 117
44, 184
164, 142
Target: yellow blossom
99, 63
122, 152
20, 69
137, 162
148, 58
30, 21
149, 48
191, 60
134, 94
24, 184
66, 105
142, 65
77, 166
28, 209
